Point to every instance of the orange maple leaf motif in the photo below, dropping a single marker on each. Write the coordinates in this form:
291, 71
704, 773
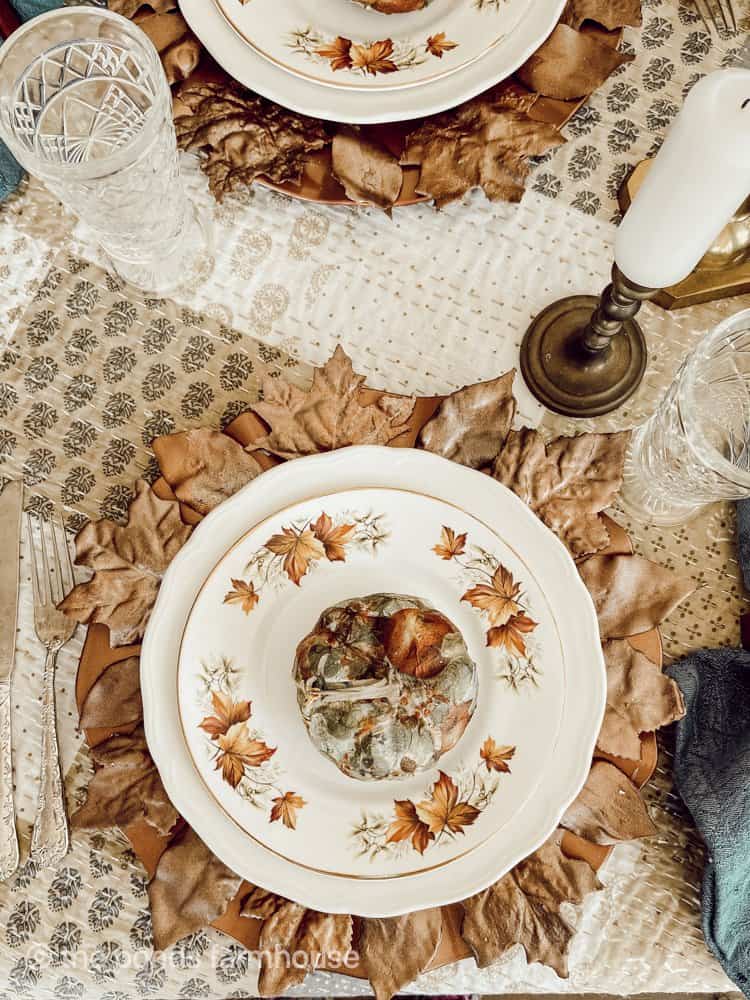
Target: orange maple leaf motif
438, 44
333, 538
299, 548
443, 811
450, 544
373, 59
337, 53
407, 825
284, 807
497, 599
510, 636
496, 758
238, 750
228, 713
243, 594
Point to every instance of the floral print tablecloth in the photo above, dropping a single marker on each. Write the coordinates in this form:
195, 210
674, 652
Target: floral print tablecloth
425, 302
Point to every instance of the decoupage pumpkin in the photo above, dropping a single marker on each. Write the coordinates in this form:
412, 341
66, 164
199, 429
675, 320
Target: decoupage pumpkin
393, 6
385, 684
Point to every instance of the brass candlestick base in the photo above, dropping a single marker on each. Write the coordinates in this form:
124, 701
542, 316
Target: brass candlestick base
584, 356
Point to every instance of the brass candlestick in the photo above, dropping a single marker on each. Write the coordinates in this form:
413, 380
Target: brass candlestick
584, 356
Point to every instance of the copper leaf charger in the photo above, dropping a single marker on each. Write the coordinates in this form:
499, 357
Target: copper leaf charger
243, 137
567, 483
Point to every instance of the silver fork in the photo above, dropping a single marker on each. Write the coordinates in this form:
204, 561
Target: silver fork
52, 580
719, 13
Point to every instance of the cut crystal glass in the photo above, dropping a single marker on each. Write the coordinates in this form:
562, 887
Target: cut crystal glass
86, 107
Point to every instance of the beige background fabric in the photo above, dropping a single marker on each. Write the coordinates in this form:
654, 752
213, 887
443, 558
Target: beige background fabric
424, 302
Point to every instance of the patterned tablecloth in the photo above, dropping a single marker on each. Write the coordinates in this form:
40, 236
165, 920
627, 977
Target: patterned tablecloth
91, 371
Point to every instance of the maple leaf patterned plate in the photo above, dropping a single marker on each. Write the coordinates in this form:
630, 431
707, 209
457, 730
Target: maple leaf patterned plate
351, 46
372, 669
367, 97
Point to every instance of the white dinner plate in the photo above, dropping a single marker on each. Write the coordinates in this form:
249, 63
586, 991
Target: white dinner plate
343, 44
354, 105
221, 707
267, 773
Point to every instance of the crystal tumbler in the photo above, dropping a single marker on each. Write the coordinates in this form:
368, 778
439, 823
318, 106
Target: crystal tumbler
695, 449
85, 106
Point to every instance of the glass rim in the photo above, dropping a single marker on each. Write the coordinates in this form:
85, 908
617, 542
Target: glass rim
706, 451
91, 169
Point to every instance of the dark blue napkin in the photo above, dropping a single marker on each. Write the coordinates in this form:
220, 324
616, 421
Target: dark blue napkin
10, 172
712, 774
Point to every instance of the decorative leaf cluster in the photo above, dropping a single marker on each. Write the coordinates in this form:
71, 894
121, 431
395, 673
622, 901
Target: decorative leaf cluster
567, 482
486, 142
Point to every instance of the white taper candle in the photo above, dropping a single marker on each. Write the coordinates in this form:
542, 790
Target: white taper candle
697, 181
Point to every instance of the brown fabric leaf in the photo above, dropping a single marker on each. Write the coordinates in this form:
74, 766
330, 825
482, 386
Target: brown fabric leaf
291, 932
567, 483
617, 736
640, 699
125, 787
570, 64
260, 904
611, 14
115, 699
164, 29
128, 564
129, 8
328, 415
190, 889
366, 170
471, 425
524, 907
181, 58
161, 20
632, 594
119, 746
245, 136
609, 808
395, 950
204, 467
483, 143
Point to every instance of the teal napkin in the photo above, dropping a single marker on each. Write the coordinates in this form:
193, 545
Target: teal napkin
30, 8
712, 774
10, 172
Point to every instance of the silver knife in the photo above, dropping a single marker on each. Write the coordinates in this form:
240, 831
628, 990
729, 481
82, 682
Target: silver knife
11, 505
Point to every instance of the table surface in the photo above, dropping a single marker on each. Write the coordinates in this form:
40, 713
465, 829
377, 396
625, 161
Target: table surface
424, 302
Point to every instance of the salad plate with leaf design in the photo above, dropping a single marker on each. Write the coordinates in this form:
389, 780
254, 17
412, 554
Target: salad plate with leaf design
372, 671
338, 85
349, 44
